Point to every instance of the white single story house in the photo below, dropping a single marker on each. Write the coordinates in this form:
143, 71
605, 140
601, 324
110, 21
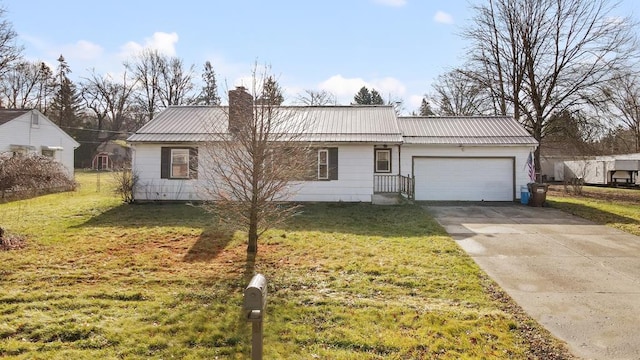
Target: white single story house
367, 150
24, 131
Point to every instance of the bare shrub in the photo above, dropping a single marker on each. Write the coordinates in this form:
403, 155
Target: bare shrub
29, 175
126, 183
11, 241
574, 186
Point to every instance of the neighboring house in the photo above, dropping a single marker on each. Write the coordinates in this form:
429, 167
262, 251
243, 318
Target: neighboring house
363, 150
29, 131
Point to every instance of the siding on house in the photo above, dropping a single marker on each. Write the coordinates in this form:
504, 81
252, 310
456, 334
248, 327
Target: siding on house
354, 184
19, 131
147, 164
355, 178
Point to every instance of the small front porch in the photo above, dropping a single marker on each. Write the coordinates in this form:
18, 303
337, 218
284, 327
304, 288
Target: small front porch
392, 189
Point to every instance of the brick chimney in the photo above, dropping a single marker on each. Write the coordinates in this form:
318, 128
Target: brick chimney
240, 108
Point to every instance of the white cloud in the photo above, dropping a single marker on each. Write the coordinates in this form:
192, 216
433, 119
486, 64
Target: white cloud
165, 43
389, 86
414, 102
443, 17
341, 86
345, 88
394, 3
82, 51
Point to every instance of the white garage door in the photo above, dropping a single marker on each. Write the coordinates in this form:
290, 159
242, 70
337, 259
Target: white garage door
466, 179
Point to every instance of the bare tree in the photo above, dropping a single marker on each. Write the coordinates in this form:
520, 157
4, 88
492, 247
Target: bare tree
109, 100
457, 95
542, 57
176, 85
316, 98
147, 68
10, 51
161, 81
25, 84
253, 162
623, 97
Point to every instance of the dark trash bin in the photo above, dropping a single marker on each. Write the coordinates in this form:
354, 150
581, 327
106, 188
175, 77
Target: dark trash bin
538, 194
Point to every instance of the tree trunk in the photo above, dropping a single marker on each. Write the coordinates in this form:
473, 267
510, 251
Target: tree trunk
252, 247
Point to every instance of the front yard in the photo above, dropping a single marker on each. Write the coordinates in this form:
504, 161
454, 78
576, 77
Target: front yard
99, 279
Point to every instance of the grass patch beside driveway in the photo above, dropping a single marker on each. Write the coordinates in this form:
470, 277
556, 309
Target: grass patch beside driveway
615, 207
346, 281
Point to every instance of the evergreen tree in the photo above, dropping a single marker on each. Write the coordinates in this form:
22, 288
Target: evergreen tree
376, 99
271, 92
366, 97
425, 108
67, 101
209, 94
362, 97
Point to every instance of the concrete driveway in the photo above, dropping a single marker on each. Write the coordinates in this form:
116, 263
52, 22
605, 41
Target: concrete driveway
579, 280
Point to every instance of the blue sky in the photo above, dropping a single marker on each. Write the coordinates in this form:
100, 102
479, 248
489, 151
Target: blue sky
396, 46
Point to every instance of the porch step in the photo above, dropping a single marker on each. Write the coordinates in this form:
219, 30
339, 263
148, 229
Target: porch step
387, 199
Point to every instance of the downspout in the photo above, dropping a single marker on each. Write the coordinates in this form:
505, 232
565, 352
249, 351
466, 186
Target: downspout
399, 159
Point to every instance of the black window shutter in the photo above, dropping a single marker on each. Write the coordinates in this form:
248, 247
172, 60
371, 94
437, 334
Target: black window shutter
333, 163
193, 163
165, 162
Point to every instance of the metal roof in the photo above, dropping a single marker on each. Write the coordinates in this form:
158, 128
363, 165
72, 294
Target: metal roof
340, 124
464, 130
310, 123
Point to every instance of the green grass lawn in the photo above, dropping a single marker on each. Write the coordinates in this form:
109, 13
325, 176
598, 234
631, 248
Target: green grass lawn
104, 280
618, 208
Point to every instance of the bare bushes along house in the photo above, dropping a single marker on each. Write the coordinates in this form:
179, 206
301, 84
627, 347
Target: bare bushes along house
359, 152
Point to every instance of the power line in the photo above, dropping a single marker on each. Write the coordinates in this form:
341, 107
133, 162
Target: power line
97, 130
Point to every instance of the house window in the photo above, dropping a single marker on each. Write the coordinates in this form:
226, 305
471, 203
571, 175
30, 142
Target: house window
327, 168
383, 160
323, 164
48, 153
178, 163
21, 150
35, 120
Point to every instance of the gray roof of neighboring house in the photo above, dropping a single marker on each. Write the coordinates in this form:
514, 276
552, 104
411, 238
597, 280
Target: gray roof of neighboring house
313, 123
7, 115
464, 130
